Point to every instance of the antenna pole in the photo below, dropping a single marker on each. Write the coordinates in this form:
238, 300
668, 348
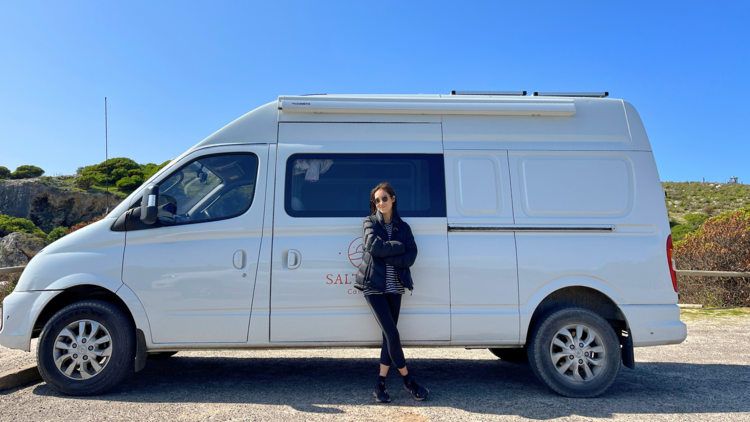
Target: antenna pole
106, 153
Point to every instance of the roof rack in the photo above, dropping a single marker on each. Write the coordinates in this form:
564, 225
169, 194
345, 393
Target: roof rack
505, 93
571, 94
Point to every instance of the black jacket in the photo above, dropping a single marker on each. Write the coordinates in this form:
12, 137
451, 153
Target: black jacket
399, 252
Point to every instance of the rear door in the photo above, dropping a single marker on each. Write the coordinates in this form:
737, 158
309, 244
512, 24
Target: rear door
483, 271
325, 172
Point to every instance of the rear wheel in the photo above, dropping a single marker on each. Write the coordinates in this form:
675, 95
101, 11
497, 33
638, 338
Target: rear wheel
86, 348
575, 352
510, 355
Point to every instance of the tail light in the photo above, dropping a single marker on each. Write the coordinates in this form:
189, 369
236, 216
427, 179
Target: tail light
671, 262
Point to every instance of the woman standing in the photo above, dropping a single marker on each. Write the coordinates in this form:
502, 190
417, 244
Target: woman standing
389, 251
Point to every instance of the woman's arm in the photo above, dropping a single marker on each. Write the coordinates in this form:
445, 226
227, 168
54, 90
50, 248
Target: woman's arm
406, 259
376, 246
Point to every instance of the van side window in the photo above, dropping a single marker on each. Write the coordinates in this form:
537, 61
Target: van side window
210, 188
338, 185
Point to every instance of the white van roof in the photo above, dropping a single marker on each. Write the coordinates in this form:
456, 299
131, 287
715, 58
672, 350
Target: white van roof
601, 123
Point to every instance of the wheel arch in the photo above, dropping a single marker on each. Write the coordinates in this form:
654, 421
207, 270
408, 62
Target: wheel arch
74, 294
123, 298
589, 297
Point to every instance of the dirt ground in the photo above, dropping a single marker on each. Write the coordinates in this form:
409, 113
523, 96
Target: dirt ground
706, 377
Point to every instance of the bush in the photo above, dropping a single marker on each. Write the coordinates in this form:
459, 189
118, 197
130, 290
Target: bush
124, 173
57, 233
117, 168
85, 182
4, 172
26, 172
150, 169
722, 243
679, 231
696, 220
129, 184
10, 225
79, 226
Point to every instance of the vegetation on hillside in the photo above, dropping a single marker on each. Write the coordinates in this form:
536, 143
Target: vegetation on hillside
721, 243
123, 173
683, 198
10, 225
690, 204
22, 172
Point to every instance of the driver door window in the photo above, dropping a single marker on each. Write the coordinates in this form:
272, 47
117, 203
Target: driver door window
209, 188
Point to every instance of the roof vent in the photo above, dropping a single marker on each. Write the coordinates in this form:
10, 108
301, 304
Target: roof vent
504, 93
571, 94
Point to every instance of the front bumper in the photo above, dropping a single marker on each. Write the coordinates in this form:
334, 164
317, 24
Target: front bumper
654, 325
20, 311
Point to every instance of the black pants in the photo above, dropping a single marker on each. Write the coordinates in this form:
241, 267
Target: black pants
386, 309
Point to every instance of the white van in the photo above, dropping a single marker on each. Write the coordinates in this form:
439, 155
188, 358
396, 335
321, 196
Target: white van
540, 222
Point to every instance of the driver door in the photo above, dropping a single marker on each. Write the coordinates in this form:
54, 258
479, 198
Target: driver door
194, 272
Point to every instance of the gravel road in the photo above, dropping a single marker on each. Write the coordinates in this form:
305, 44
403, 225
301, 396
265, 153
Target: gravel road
706, 377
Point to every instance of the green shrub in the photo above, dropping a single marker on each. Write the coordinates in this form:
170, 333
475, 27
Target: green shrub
116, 167
124, 173
4, 172
129, 184
150, 169
10, 224
696, 220
26, 172
57, 233
679, 232
85, 182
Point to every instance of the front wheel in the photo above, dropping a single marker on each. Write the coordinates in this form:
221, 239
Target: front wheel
575, 352
86, 348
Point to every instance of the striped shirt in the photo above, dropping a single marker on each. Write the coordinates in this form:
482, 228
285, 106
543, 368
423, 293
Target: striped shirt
392, 283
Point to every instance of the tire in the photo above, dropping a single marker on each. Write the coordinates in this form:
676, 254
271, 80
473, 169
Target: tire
592, 369
103, 356
511, 355
160, 355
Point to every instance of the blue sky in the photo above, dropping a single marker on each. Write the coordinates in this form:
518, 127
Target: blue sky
175, 72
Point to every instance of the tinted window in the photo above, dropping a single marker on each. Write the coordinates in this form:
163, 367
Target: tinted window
210, 188
339, 185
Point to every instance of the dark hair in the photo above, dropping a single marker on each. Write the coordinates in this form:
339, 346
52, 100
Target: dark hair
389, 189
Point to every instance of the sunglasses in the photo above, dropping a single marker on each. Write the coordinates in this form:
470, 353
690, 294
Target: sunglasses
384, 199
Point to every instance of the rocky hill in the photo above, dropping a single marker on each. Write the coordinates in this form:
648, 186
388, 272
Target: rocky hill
49, 205
683, 198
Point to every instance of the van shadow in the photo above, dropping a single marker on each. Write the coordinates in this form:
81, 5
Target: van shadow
479, 386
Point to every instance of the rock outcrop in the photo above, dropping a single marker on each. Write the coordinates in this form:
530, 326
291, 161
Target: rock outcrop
16, 249
48, 206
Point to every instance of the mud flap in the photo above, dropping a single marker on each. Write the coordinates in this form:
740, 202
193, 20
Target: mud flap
141, 353
628, 357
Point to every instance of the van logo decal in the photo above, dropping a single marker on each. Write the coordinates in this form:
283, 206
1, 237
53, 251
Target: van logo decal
356, 252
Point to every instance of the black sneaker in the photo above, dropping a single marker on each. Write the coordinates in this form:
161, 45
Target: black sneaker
419, 393
381, 394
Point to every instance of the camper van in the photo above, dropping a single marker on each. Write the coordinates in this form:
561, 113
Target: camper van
540, 222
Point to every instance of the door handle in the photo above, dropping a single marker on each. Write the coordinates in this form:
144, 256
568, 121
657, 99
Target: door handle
293, 259
239, 259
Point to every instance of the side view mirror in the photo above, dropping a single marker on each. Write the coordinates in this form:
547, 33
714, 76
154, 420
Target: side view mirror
149, 209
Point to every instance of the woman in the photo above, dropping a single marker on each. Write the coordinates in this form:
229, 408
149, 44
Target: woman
389, 251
